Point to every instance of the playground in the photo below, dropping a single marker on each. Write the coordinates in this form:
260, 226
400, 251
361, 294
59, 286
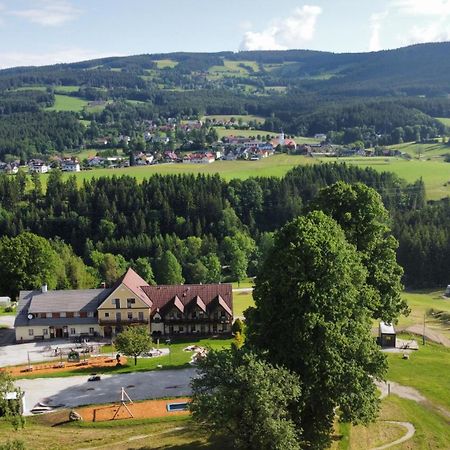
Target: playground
94, 363
149, 409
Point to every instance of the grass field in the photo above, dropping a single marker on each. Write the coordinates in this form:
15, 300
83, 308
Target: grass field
427, 370
444, 120
176, 360
166, 63
425, 151
433, 173
245, 118
54, 432
66, 89
420, 303
67, 103
432, 430
241, 301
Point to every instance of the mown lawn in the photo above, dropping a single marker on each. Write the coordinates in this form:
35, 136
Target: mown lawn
242, 301
427, 370
42, 433
177, 359
432, 430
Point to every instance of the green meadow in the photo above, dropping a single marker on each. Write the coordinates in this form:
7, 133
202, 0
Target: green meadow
435, 174
67, 103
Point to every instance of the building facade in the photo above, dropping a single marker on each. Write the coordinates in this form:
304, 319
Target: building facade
165, 310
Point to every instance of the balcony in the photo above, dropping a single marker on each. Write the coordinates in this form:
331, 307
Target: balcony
123, 322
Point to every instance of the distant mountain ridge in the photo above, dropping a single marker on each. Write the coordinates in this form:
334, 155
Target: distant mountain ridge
422, 69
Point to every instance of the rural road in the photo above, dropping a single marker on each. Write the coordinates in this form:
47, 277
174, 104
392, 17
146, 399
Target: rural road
76, 391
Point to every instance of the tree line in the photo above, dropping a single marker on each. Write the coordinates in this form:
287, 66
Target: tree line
214, 229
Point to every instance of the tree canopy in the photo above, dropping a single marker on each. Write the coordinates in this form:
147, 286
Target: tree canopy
133, 341
359, 210
246, 399
311, 316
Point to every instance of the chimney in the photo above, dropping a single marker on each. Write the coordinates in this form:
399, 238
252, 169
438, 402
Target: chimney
44, 288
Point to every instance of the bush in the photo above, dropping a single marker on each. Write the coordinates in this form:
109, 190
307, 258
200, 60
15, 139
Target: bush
13, 445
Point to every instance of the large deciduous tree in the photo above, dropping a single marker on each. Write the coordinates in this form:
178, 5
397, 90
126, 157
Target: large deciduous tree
27, 261
359, 210
133, 341
311, 316
246, 399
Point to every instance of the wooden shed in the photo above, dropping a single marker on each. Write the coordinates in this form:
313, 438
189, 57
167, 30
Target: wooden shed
387, 335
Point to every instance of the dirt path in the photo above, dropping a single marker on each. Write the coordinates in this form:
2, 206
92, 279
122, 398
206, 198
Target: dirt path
431, 335
410, 431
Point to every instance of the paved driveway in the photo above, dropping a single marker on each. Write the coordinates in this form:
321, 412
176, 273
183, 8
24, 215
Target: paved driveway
77, 391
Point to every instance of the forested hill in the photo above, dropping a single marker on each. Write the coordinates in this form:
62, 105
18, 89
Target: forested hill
422, 69
376, 99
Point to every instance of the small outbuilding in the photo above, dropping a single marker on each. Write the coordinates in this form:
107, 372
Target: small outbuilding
387, 335
5, 301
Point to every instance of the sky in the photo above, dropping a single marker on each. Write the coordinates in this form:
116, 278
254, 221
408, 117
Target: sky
38, 32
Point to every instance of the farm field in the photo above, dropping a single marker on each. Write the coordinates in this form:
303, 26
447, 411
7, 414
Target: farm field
67, 103
165, 63
424, 150
245, 118
435, 174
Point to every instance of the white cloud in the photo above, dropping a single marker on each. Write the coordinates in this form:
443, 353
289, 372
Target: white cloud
52, 13
429, 33
376, 21
281, 34
66, 55
423, 7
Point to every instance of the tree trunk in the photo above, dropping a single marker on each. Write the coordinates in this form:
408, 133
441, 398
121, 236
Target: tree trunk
135, 359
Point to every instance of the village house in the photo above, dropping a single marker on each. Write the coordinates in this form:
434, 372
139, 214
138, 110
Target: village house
70, 165
9, 168
37, 166
165, 310
199, 158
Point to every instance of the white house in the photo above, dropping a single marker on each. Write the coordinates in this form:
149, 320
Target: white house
38, 167
69, 165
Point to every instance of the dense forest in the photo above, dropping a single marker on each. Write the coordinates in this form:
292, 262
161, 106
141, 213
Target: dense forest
215, 230
365, 97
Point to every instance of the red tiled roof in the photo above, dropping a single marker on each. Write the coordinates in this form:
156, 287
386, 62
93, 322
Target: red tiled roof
160, 296
135, 283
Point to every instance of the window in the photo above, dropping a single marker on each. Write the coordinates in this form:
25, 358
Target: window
69, 315
130, 302
179, 315
91, 314
63, 314
194, 314
30, 332
83, 314
106, 314
91, 330
202, 328
214, 328
55, 315
72, 331
42, 315
45, 331
181, 329
193, 329
141, 315
118, 316
116, 302
130, 315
